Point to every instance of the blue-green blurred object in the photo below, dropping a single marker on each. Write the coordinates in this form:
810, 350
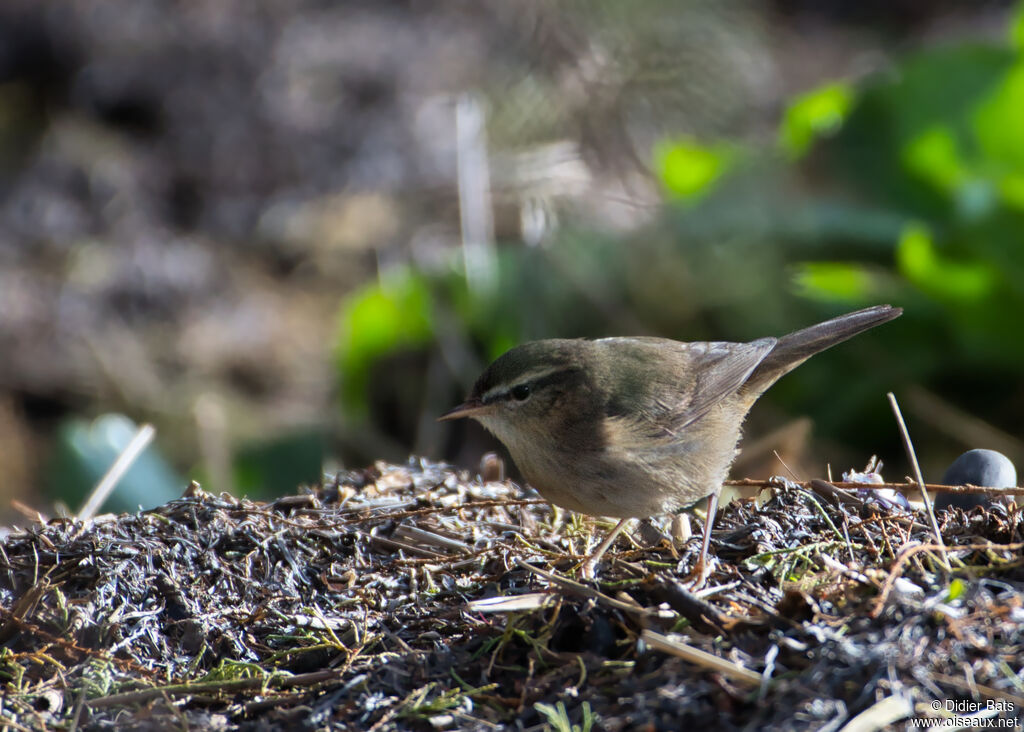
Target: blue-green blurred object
86, 450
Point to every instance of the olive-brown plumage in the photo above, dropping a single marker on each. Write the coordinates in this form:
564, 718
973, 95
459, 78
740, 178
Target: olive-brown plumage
636, 427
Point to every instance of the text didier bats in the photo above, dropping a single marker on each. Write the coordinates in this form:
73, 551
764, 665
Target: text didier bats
967, 705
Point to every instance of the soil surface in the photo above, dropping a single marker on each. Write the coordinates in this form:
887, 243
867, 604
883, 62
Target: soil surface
418, 597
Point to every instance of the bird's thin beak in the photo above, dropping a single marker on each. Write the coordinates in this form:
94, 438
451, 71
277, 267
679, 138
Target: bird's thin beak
469, 408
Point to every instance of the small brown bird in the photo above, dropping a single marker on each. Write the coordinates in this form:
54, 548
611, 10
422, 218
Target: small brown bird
637, 427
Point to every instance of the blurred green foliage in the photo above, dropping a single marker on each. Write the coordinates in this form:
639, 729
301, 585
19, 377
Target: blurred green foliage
817, 113
907, 187
274, 467
939, 142
688, 169
380, 319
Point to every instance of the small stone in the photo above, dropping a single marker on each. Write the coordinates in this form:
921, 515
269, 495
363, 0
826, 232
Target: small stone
976, 467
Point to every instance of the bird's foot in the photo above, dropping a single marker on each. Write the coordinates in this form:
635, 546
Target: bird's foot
699, 575
588, 570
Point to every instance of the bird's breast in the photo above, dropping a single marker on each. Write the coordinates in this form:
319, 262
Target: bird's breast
635, 477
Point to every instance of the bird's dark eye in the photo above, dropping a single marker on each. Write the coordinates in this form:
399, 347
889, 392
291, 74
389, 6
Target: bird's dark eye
521, 392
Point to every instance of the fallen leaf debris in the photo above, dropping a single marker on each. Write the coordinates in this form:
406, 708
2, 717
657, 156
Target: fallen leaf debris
419, 597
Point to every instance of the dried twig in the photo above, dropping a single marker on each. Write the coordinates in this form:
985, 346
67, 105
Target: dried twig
908, 445
272, 681
901, 487
143, 436
701, 658
911, 551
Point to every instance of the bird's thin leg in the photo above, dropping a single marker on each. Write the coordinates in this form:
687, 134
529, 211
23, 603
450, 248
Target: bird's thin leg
587, 570
702, 569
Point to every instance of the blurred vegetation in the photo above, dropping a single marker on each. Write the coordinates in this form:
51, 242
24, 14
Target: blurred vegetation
86, 450
905, 187
187, 194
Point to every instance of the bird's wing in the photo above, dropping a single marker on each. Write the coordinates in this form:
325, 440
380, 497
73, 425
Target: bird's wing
720, 369
669, 384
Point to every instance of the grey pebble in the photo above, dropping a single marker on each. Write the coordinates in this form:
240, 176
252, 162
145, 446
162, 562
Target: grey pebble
977, 467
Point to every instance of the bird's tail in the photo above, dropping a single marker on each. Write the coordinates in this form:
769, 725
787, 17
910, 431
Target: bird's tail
795, 348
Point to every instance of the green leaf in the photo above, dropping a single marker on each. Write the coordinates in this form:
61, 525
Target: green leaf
915, 253
957, 588
1011, 189
943, 279
817, 113
1017, 27
379, 319
689, 170
998, 120
834, 281
933, 156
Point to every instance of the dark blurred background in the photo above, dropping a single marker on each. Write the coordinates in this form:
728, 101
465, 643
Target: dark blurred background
290, 234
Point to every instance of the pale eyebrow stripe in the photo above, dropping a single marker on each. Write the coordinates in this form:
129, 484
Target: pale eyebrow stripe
498, 392
534, 380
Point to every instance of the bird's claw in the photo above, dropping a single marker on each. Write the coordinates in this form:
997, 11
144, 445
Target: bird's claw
700, 574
